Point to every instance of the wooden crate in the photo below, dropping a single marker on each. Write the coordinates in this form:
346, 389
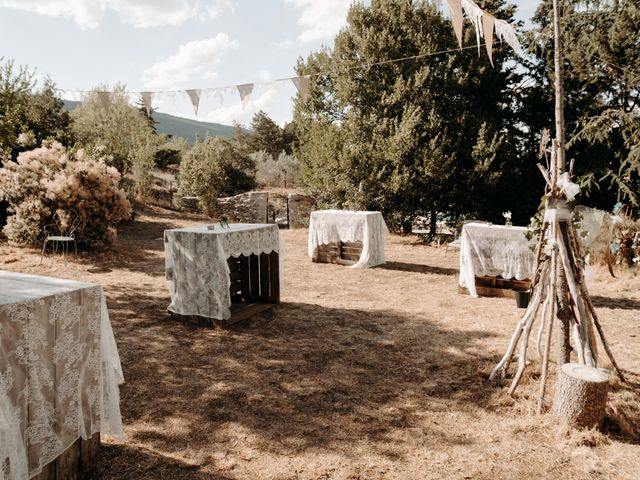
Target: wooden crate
255, 284
343, 253
498, 286
75, 463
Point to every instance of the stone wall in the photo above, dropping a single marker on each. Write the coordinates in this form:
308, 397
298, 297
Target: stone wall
300, 208
250, 207
259, 207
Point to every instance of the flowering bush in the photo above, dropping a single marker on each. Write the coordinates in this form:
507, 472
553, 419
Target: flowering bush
48, 181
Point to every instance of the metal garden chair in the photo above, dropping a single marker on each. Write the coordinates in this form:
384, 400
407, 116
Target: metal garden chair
61, 233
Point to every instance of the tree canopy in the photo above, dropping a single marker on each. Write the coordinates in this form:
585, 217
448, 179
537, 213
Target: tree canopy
602, 92
28, 114
429, 134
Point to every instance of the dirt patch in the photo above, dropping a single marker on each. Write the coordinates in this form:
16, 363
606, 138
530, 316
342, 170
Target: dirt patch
371, 374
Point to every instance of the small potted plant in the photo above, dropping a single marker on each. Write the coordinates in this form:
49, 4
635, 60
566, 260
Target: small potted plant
507, 218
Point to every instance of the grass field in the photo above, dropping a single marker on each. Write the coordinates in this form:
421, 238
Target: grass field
358, 374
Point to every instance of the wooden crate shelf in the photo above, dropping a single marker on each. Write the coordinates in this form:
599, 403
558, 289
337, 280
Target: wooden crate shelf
342, 253
498, 286
254, 287
75, 463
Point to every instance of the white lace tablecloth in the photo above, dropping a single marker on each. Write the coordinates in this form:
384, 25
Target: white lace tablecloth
494, 250
196, 266
328, 226
59, 370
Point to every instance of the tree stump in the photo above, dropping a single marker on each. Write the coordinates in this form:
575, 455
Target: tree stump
581, 395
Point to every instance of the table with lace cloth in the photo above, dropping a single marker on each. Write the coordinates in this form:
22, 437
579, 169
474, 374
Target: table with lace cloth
196, 267
59, 370
494, 250
328, 226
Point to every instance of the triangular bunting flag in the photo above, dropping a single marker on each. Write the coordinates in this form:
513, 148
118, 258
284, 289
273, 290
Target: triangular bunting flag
456, 19
245, 93
147, 99
488, 21
302, 85
194, 96
506, 32
474, 12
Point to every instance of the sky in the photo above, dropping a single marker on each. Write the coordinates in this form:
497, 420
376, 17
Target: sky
174, 45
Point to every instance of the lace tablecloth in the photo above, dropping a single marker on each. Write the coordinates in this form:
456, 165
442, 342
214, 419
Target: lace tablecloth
196, 266
494, 250
328, 226
59, 370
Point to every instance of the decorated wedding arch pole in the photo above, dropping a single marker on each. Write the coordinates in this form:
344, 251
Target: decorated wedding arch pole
558, 284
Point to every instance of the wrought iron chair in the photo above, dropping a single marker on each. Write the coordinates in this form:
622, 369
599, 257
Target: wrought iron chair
61, 233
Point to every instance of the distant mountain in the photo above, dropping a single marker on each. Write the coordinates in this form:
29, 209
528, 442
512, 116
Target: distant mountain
178, 126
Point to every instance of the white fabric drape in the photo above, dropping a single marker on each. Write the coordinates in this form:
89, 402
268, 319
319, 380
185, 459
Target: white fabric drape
59, 369
494, 250
328, 226
196, 266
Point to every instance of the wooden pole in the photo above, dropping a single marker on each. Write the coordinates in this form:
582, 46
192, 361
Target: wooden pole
559, 87
563, 346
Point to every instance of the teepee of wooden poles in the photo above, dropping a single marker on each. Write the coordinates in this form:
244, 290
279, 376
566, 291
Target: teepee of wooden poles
558, 244
559, 251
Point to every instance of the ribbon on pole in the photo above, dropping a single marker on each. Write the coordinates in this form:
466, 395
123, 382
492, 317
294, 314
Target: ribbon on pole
245, 93
302, 85
194, 96
456, 18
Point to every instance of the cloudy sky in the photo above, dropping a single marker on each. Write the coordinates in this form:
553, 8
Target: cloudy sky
168, 45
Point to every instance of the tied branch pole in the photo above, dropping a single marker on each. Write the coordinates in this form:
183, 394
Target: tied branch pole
563, 346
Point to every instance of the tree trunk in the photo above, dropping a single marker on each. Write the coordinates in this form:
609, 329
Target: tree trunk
581, 395
433, 226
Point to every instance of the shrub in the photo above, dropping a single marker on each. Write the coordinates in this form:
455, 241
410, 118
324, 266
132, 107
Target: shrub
280, 172
47, 180
212, 168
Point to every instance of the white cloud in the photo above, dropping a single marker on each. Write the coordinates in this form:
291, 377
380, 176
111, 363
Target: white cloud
319, 19
139, 13
197, 59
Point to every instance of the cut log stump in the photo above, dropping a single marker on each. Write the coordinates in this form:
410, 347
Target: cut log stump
581, 395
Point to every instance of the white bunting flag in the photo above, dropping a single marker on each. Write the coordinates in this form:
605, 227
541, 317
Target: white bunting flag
302, 85
194, 96
147, 99
245, 93
456, 19
506, 32
474, 12
488, 21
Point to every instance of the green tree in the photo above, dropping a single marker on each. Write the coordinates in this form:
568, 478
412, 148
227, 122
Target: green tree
427, 135
602, 93
29, 115
215, 167
105, 121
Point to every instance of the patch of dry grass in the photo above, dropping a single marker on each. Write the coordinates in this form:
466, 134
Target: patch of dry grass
370, 374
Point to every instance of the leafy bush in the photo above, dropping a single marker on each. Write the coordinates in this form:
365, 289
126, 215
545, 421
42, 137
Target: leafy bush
47, 180
215, 167
280, 172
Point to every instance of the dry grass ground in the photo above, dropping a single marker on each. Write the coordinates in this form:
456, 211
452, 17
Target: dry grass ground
371, 374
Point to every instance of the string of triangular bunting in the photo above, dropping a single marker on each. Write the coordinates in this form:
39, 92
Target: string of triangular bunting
195, 95
484, 23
